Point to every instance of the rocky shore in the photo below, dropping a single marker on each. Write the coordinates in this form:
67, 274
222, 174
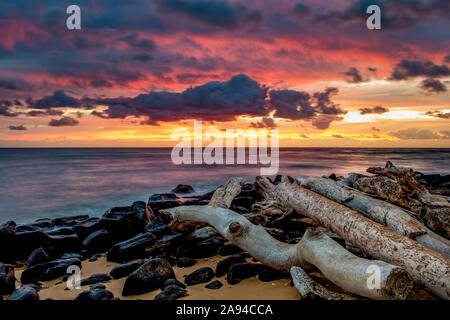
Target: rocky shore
135, 253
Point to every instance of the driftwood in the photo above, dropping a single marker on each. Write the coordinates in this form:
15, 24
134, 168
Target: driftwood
395, 218
400, 186
427, 267
315, 248
309, 288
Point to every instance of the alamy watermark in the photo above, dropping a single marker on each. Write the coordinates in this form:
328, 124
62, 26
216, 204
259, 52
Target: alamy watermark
232, 146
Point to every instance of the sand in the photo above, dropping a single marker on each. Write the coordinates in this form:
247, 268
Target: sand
248, 289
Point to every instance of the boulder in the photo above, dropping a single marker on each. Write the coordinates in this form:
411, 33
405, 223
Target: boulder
201, 275
169, 282
203, 234
158, 228
37, 256
27, 228
7, 228
166, 245
95, 293
124, 270
171, 292
241, 271
57, 231
183, 188
131, 249
270, 274
87, 227
184, 262
203, 249
214, 285
25, 293
96, 278
162, 201
7, 279
229, 249
49, 270
98, 241
125, 222
69, 221
148, 277
19, 245
225, 264
72, 255
64, 243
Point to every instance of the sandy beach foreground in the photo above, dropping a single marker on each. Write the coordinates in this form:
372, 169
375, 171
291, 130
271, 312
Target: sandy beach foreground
248, 289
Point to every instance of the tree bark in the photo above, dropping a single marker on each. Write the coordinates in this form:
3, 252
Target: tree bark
395, 218
424, 265
337, 264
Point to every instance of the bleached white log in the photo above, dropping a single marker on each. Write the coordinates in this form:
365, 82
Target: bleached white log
425, 266
392, 216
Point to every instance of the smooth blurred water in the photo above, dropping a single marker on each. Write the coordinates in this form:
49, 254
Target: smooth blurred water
37, 183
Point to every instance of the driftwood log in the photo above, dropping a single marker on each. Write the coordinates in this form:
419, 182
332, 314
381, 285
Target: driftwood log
392, 216
400, 186
427, 267
315, 248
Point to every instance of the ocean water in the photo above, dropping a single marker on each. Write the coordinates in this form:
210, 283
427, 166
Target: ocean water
39, 183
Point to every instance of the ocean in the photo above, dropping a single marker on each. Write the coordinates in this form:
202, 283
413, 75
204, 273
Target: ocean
47, 183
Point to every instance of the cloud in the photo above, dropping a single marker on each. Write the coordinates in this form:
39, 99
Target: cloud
57, 100
63, 122
414, 133
49, 112
100, 83
6, 112
338, 136
445, 133
218, 13
134, 41
353, 76
323, 122
374, 110
375, 129
431, 86
19, 128
265, 123
438, 114
407, 69
447, 59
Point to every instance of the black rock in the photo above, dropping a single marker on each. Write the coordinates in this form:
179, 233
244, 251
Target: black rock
225, 264
131, 249
69, 221
96, 278
169, 282
98, 241
18, 246
7, 228
125, 222
49, 270
270, 274
27, 228
158, 228
166, 245
7, 279
183, 188
37, 256
214, 285
201, 275
241, 271
184, 262
229, 249
64, 243
72, 255
124, 270
171, 292
87, 227
96, 294
162, 201
57, 231
148, 277
95, 257
97, 286
203, 249
25, 293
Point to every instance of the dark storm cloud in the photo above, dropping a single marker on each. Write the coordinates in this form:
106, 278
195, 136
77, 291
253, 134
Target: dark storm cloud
431, 86
63, 122
407, 69
353, 76
6, 112
338, 136
57, 100
217, 100
291, 104
19, 128
100, 83
134, 41
219, 13
374, 110
301, 9
438, 114
49, 112
265, 123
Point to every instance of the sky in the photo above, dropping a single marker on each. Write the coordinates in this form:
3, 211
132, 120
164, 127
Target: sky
139, 70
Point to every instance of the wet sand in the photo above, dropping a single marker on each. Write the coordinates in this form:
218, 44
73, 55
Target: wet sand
248, 289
